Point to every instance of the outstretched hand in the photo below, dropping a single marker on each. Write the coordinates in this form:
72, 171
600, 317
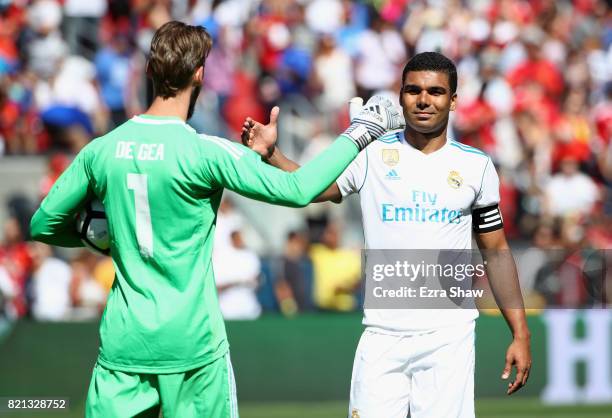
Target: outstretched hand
371, 121
261, 138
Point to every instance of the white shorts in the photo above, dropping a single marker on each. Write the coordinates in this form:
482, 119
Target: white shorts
431, 375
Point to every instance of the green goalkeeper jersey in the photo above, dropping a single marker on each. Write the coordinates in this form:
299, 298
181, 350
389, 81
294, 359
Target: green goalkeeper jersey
161, 185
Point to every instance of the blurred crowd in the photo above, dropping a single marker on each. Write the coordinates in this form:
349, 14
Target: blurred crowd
535, 93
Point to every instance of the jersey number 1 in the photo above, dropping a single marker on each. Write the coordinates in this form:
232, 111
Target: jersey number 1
144, 230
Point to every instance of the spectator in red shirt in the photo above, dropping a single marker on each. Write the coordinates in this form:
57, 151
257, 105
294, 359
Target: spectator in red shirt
56, 166
475, 122
15, 256
535, 67
572, 131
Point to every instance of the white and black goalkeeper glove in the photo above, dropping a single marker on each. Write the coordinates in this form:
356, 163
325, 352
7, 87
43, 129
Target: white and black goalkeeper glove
370, 122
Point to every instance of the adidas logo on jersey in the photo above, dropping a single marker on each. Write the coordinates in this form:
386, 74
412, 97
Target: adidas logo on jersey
392, 175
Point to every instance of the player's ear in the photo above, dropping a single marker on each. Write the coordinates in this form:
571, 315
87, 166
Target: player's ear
453, 103
198, 77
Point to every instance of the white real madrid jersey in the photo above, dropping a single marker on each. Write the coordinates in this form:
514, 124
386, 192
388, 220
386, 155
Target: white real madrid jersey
416, 201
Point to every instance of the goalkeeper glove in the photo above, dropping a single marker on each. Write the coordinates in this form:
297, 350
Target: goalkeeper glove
370, 122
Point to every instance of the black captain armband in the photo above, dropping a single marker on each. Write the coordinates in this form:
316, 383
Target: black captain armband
487, 219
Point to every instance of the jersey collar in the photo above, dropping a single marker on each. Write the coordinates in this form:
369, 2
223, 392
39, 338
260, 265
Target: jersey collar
158, 120
412, 149
161, 120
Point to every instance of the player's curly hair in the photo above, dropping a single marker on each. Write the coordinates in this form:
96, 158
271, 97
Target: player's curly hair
177, 51
433, 61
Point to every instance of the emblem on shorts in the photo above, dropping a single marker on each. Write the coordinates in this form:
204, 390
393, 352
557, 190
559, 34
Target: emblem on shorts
454, 180
355, 413
390, 156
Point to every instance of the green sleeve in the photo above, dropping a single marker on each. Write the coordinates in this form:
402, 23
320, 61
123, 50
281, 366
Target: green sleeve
54, 222
236, 167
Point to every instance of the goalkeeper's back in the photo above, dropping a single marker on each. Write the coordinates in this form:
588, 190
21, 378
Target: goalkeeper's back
161, 212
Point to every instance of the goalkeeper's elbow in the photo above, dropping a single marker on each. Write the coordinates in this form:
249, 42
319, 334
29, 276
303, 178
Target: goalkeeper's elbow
37, 226
301, 199
304, 201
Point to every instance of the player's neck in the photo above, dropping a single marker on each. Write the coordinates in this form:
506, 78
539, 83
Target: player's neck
425, 142
177, 106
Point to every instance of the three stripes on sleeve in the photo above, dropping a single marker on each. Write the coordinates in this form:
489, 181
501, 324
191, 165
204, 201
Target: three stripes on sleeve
487, 219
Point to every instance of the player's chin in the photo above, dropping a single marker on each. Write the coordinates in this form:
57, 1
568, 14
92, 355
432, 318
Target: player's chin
423, 126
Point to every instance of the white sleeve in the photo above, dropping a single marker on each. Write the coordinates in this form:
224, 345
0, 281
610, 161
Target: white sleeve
489, 187
486, 216
352, 179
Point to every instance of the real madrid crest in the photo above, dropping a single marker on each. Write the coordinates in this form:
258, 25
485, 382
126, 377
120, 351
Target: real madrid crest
454, 180
355, 413
390, 156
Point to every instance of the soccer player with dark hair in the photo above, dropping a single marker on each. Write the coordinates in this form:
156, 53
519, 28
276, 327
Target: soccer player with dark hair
163, 345
420, 190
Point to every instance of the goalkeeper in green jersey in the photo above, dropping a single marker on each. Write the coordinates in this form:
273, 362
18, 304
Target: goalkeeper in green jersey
163, 345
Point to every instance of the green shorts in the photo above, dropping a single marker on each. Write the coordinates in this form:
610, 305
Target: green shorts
208, 391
